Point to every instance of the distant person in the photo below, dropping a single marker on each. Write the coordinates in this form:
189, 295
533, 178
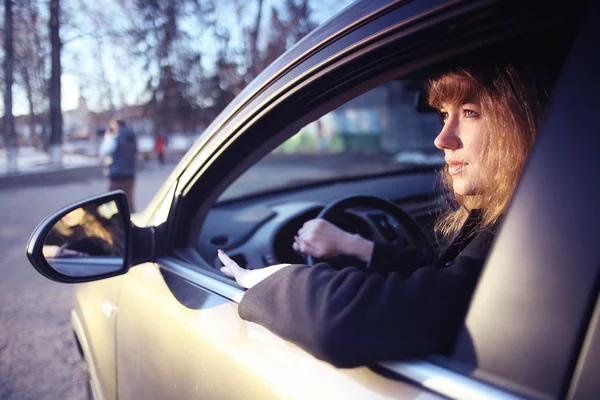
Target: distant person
119, 149
159, 146
322, 140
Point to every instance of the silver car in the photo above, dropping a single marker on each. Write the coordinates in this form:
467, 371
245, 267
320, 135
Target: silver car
343, 114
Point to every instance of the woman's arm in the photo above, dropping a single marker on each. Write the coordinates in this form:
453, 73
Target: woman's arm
350, 318
400, 257
322, 239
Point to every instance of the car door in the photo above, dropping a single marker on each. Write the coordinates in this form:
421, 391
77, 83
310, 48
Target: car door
532, 327
178, 331
585, 384
180, 339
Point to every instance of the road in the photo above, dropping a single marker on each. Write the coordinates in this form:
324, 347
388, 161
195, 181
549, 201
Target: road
38, 357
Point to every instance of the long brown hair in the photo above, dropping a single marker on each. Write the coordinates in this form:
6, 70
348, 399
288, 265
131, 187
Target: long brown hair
511, 108
91, 225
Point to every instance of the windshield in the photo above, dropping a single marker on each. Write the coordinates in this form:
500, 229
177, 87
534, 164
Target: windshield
378, 132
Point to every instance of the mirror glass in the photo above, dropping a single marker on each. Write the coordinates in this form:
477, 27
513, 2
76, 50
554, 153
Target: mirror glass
87, 241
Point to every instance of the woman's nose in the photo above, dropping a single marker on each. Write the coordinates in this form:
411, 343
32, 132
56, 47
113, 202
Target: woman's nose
447, 139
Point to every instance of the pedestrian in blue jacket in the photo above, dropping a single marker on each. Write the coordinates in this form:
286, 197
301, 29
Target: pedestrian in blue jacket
119, 149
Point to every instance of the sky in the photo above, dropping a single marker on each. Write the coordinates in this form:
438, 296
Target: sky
81, 72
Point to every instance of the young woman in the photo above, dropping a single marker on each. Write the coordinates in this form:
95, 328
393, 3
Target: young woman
399, 307
84, 232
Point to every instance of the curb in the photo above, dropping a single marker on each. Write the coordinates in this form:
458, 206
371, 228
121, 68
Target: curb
67, 175
51, 177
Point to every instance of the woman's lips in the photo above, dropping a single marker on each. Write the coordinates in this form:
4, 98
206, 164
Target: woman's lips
456, 167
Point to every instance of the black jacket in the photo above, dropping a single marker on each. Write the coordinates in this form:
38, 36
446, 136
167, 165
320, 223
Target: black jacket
121, 164
352, 318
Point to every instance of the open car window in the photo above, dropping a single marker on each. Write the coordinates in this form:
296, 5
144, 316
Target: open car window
384, 130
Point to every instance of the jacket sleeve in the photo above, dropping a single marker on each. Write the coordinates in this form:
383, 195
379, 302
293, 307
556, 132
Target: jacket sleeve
351, 318
54, 238
400, 257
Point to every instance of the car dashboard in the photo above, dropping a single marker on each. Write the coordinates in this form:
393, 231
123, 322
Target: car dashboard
261, 232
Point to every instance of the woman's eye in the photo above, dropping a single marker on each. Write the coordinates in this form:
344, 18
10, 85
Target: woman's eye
470, 113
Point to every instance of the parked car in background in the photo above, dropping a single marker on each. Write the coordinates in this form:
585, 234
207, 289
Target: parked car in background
159, 320
177, 143
145, 145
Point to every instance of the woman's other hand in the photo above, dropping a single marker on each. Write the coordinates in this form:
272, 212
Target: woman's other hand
246, 278
320, 238
49, 251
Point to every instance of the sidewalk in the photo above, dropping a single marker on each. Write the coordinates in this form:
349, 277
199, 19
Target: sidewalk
31, 161
35, 167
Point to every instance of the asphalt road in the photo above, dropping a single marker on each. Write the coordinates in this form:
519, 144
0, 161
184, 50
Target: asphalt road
38, 357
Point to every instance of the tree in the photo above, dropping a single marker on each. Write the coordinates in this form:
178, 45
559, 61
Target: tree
252, 35
56, 124
31, 64
235, 67
220, 88
95, 21
10, 138
169, 59
288, 26
289, 22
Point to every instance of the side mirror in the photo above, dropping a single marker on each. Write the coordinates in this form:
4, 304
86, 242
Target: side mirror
86, 241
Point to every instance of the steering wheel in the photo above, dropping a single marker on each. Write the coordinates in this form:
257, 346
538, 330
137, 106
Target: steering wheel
414, 233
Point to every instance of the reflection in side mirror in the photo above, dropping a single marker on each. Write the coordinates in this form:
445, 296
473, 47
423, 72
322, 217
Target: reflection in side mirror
94, 234
86, 241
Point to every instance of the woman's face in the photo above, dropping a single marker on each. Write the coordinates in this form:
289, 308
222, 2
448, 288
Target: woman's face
74, 218
462, 138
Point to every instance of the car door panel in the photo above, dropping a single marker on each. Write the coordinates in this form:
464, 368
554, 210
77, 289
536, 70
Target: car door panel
95, 307
540, 283
176, 337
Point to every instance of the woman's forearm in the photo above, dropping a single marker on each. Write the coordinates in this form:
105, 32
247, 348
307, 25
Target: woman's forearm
359, 247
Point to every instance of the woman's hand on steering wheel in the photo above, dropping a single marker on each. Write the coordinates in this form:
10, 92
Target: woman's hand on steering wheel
322, 239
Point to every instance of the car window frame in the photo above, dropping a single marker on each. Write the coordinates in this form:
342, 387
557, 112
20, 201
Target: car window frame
376, 103
585, 383
193, 177
219, 143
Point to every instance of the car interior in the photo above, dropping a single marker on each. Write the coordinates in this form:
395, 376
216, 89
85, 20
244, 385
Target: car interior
378, 144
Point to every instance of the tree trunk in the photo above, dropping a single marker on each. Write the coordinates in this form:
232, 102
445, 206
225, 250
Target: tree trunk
32, 118
37, 77
10, 138
55, 92
99, 54
255, 63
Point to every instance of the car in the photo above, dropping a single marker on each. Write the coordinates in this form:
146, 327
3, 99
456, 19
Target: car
145, 147
331, 119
